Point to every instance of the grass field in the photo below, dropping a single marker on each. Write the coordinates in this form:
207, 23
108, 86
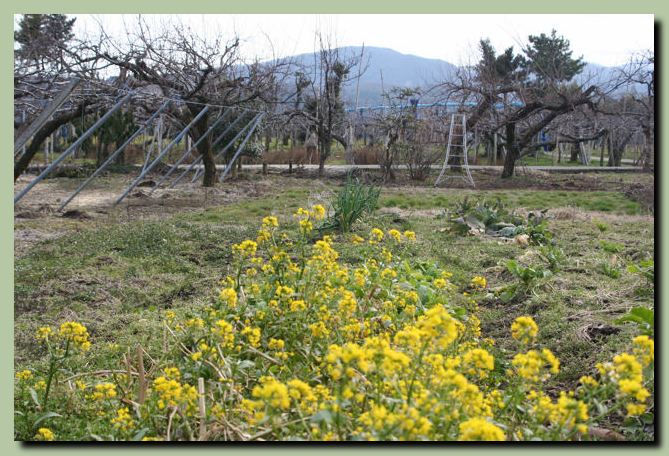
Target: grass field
117, 278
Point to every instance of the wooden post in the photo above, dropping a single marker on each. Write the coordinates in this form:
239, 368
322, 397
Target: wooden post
141, 394
264, 168
290, 166
202, 409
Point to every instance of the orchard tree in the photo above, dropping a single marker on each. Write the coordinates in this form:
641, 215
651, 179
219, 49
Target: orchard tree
323, 105
46, 58
193, 69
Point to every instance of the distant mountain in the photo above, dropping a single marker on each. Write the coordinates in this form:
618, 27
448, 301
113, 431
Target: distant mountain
385, 68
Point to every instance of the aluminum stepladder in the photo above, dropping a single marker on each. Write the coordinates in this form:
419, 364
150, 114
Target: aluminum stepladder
458, 143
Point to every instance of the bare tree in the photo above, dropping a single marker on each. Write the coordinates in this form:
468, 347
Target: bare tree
323, 106
640, 71
192, 69
521, 95
41, 71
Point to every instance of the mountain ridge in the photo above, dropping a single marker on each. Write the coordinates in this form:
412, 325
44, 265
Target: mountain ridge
387, 68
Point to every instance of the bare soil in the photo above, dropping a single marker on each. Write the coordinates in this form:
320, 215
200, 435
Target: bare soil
36, 217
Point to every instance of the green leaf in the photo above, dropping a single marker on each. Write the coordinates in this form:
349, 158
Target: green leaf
33, 395
245, 364
322, 416
45, 416
140, 434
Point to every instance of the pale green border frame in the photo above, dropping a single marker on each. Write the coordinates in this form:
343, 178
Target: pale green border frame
658, 7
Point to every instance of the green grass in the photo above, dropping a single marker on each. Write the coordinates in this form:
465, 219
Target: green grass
601, 201
116, 278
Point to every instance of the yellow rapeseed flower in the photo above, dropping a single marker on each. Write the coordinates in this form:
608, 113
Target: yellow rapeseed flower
644, 350
524, 329
229, 297
43, 333
24, 375
76, 334
480, 429
45, 434
479, 282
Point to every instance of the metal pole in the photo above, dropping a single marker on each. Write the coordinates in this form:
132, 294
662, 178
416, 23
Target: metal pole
240, 148
199, 172
73, 147
114, 155
216, 141
193, 146
44, 115
162, 154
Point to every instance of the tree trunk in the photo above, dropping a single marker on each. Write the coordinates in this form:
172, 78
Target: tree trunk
24, 161
325, 146
647, 157
204, 149
574, 153
511, 151
99, 153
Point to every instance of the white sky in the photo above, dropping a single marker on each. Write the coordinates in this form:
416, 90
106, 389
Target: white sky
605, 39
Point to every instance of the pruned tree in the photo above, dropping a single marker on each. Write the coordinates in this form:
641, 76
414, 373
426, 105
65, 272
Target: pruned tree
521, 95
640, 72
323, 104
193, 70
45, 61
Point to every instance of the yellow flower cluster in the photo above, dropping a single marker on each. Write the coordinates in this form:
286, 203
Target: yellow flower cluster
479, 282
479, 429
252, 335
524, 329
305, 218
536, 366
229, 297
72, 333
103, 391
171, 393
224, 332
43, 333
45, 434
24, 375
644, 350
123, 420
245, 249
567, 412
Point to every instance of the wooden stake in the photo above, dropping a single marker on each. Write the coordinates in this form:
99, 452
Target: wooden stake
203, 414
142, 375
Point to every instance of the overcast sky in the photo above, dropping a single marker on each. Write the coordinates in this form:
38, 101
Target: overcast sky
606, 39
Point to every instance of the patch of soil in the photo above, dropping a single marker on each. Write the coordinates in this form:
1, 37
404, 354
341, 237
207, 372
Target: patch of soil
76, 214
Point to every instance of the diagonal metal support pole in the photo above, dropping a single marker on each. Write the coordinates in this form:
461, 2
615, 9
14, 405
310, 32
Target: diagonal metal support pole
162, 154
72, 148
44, 115
241, 147
216, 141
185, 155
113, 156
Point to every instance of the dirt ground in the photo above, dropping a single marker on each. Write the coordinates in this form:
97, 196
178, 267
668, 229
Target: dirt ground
36, 217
